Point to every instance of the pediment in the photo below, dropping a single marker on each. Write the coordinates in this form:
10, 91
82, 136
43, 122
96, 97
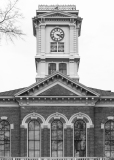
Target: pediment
57, 84
56, 14
58, 90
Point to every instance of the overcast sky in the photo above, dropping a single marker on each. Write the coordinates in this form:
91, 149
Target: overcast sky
96, 46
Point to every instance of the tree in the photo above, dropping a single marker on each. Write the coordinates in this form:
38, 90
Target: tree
9, 18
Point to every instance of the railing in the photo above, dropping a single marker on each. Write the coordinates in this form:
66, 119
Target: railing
55, 158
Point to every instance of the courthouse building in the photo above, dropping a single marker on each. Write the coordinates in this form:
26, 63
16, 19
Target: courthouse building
57, 116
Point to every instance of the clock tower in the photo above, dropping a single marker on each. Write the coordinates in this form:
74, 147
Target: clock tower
57, 28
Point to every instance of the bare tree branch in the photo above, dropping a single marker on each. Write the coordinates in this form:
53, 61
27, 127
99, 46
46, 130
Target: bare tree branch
9, 18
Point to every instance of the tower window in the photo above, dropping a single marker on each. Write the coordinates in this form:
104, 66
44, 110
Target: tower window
51, 68
63, 68
57, 47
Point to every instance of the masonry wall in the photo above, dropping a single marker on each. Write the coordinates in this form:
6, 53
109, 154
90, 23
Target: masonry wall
95, 136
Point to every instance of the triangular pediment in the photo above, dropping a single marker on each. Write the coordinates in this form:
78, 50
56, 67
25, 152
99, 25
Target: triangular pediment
56, 14
57, 84
58, 90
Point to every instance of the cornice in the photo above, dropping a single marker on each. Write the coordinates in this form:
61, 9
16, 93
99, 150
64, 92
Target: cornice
56, 101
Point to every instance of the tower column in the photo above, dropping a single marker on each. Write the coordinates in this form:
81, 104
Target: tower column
71, 39
43, 39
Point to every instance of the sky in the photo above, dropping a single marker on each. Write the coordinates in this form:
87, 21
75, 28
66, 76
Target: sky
96, 46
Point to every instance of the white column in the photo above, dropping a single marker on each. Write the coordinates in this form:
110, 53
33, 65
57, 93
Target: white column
37, 43
77, 40
71, 68
42, 69
42, 39
71, 39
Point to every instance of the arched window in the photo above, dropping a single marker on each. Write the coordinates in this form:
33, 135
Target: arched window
4, 138
63, 68
51, 68
34, 138
57, 138
109, 138
80, 138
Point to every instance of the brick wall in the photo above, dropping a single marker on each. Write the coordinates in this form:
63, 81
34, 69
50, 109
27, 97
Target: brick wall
95, 140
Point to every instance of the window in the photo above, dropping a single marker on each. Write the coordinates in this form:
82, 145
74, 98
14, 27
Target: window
79, 138
51, 68
4, 138
109, 138
56, 138
57, 47
34, 138
62, 68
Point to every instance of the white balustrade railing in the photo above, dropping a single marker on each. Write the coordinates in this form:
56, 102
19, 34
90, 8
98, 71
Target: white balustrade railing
55, 158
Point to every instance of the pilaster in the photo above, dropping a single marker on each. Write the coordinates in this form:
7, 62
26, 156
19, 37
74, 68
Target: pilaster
43, 39
72, 39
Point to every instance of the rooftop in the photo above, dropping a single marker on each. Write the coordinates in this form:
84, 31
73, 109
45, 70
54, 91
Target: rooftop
56, 7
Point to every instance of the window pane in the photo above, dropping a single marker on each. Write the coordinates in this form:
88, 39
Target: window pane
37, 154
7, 153
60, 153
2, 153
60, 47
37, 126
63, 68
60, 145
37, 145
107, 153
54, 153
112, 135
112, 154
60, 135
31, 135
54, 135
54, 145
31, 153
107, 145
31, 126
53, 46
31, 145
37, 135
7, 147
51, 68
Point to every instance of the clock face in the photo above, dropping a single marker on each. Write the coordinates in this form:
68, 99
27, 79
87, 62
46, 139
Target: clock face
57, 34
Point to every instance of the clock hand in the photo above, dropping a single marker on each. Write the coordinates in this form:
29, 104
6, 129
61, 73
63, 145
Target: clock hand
60, 35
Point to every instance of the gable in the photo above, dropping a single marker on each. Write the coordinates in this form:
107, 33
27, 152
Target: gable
57, 90
46, 86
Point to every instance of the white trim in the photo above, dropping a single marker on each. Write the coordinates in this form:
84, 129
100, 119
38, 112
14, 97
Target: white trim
56, 116
31, 115
55, 83
110, 117
4, 118
57, 104
80, 115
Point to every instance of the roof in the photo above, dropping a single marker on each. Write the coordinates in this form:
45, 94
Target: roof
11, 92
99, 91
103, 92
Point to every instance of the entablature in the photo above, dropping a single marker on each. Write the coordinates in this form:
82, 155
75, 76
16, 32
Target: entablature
56, 100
